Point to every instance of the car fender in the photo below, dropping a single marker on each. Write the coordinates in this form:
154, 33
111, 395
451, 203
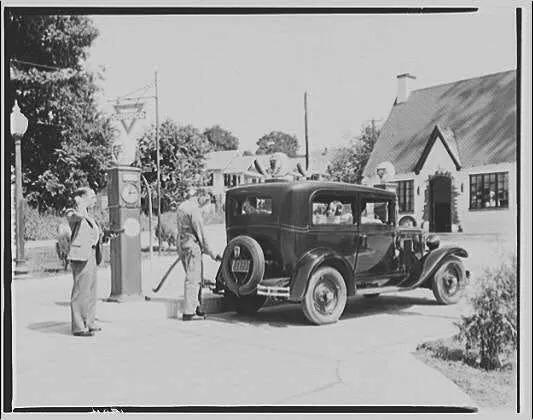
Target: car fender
310, 261
434, 259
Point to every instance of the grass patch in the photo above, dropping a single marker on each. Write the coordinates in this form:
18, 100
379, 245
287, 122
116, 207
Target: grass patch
490, 389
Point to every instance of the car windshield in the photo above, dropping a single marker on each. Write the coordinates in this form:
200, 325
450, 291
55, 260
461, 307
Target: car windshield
250, 204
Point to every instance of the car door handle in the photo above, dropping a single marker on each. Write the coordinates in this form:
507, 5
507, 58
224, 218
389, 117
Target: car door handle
363, 241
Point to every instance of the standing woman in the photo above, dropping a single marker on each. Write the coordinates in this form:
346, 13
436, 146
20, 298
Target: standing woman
85, 254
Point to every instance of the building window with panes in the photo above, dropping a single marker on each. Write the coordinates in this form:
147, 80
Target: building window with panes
404, 191
231, 180
489, 190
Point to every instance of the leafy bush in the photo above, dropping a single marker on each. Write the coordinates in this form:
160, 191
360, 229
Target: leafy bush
183, 150
39, 226
490, 330
70, 145
44, 226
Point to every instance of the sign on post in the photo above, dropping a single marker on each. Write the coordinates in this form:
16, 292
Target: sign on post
126, 115
124, 205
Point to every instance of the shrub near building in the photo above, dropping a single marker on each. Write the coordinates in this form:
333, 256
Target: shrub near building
40, 226
491, 331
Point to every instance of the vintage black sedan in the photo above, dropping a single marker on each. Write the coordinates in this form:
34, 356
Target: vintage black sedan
319, 243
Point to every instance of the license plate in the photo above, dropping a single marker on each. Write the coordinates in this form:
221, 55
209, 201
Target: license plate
240, 266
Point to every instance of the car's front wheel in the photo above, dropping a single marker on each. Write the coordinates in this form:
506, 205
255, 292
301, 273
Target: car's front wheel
448, 281
326, 296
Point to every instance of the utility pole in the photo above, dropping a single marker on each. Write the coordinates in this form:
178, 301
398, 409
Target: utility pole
306, 134
158, 166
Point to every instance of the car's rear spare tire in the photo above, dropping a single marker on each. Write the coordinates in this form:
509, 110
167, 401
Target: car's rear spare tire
326, 296
243, 265
448, 281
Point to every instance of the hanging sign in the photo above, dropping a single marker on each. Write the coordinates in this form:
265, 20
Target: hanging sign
127, 114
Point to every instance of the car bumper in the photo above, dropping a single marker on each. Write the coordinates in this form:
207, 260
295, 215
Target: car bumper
277, 287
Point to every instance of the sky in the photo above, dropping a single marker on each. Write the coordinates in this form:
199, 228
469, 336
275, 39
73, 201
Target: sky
249, 73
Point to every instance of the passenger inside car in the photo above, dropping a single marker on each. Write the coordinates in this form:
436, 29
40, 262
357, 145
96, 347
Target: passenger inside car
319, 216
248, 208
334, 212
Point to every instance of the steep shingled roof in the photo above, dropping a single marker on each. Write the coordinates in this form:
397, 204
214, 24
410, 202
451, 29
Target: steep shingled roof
479, 114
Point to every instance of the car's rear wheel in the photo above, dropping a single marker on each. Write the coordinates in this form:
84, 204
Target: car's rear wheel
326, 296
448, 281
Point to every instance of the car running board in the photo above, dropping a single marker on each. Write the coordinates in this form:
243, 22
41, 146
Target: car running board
379, 290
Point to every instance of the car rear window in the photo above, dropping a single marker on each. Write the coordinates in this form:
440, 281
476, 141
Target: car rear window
251, 204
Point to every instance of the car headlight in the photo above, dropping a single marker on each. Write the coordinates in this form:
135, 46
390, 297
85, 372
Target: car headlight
433, 242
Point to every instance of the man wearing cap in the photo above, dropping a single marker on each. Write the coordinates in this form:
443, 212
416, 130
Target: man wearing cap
192, 243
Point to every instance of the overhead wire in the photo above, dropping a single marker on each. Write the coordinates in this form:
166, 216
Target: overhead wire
144, 89
44, 66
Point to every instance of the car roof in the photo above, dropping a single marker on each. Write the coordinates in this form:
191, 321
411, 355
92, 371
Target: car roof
306, 186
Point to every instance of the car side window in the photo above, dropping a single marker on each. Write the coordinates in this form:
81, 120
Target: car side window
331, 210
251, 204
377, 212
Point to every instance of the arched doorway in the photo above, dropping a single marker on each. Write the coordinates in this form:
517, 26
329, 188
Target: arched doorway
440, 202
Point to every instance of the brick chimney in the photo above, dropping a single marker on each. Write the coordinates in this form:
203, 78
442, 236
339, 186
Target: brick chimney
403, 87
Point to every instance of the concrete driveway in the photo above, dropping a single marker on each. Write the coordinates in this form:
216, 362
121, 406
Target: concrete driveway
144, 358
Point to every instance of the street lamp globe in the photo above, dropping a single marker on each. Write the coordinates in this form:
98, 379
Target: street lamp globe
19, 123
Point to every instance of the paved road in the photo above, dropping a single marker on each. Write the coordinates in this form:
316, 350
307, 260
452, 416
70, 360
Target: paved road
142, 357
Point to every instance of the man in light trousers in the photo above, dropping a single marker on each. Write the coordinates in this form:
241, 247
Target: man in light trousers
192, 243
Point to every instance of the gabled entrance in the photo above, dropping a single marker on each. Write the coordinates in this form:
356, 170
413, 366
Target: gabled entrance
440, 204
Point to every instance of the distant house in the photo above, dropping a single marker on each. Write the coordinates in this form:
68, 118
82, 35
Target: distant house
227, 169
453, 149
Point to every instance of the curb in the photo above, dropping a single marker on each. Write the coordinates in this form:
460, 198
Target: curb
211, 304
160, 308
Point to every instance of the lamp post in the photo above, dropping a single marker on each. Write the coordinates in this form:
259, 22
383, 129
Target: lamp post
19, 125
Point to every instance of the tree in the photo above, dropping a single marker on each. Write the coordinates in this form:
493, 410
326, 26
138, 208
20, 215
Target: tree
67, 143
221, 139
349, 162
182, 150
277, 141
